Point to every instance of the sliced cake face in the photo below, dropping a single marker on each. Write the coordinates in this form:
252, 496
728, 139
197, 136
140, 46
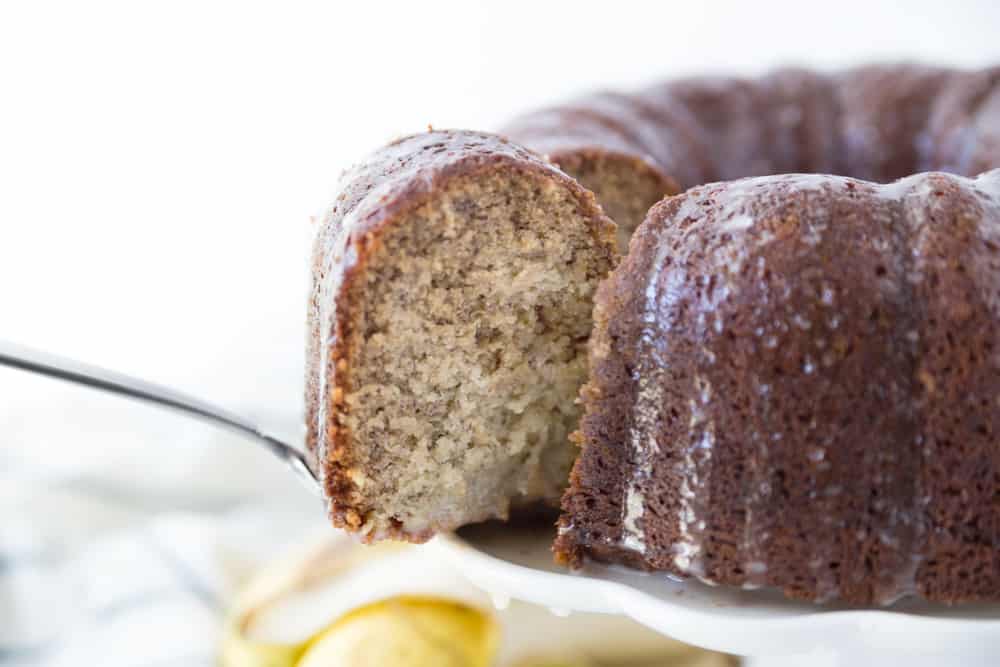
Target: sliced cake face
794, 384
626, 189
604, 152
452, 307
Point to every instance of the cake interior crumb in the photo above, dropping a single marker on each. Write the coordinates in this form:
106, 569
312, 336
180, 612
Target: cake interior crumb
471, 351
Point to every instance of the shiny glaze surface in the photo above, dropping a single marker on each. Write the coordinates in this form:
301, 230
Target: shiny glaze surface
809, 373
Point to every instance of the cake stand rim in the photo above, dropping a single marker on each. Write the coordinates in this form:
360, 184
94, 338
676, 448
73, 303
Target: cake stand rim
782, 629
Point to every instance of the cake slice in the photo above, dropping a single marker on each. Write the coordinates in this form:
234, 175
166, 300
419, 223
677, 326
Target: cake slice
453, 284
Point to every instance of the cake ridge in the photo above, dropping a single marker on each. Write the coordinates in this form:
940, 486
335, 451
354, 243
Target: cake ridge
378, 267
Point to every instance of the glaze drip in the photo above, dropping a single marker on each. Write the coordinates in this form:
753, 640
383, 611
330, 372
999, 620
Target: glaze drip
645, 413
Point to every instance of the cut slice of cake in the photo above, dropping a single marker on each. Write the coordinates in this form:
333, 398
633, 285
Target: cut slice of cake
453, 284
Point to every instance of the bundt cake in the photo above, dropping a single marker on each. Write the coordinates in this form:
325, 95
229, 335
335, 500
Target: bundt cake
792, 377
453, 285
795, 383
878, 123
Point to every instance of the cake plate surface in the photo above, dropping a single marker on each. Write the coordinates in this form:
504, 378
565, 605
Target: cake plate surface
515, 561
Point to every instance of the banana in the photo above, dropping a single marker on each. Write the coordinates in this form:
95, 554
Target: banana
407, 630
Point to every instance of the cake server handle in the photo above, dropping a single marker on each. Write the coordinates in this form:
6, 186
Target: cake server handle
53, 366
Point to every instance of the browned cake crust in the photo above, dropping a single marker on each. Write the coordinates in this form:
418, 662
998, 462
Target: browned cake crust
794, 383
374, 197
878, 123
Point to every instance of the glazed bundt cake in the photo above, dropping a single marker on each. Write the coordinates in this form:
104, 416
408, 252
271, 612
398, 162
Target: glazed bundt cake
793, 377
453, 285
795, 382
878, 123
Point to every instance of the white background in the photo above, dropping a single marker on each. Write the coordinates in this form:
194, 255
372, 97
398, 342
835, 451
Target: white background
159, 164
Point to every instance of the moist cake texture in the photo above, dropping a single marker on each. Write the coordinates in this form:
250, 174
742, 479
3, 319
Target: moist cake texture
453, 285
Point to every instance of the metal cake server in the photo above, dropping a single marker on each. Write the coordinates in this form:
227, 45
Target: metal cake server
50, 365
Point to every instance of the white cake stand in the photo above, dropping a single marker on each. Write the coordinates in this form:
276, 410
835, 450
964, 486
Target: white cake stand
762, 625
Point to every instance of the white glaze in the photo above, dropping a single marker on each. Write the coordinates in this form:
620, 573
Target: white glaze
633, 536
646, 411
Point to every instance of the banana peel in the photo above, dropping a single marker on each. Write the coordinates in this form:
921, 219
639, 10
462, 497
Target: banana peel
412, 630
297, 571
240, 652
415, 631
409, 625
